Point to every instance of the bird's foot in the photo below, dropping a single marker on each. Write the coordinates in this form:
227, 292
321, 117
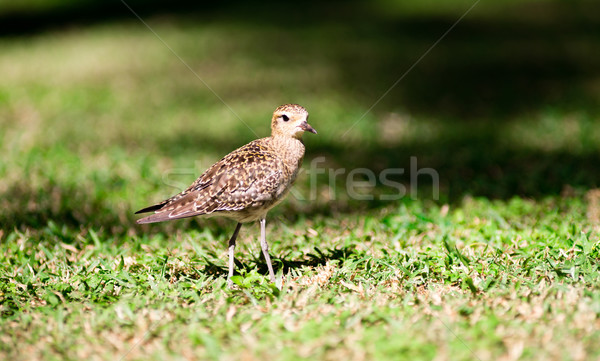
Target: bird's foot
231, 285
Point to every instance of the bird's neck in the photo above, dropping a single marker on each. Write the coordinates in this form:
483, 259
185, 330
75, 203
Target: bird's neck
289, 148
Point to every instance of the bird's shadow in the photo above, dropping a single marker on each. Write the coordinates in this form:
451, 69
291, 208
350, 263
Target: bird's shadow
312, 259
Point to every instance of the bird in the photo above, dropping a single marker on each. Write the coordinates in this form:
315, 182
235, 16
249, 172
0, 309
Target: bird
246, 183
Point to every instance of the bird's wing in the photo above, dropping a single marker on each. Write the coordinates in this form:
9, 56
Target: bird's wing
247, 177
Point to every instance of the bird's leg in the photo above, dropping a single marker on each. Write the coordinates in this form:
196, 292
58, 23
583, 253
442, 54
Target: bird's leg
265, 249
231, 254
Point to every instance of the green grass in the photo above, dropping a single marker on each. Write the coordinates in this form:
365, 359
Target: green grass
97, 121
479, 280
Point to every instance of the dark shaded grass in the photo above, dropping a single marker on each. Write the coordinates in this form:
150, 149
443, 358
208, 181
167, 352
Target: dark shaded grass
488, 73
532, 56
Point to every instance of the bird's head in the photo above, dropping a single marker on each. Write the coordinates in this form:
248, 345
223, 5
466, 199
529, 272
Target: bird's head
290, 120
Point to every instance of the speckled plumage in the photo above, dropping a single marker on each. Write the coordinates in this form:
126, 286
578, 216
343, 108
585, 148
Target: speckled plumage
247, 182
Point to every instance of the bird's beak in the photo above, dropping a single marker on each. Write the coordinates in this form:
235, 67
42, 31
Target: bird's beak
307, 128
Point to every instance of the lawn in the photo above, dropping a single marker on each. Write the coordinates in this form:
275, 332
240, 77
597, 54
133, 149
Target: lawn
476, 238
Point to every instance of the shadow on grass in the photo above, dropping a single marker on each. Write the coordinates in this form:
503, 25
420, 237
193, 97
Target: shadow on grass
480, 163
463, 168
528, 56
314, 259
36, 208
60, 14
68, 211
486, 73
474, 166
484, 78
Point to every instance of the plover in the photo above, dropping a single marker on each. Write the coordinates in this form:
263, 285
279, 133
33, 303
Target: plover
246, 183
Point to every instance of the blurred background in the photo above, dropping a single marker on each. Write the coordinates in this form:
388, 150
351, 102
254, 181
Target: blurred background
103, 111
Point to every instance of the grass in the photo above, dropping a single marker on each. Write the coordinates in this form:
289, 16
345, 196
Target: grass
515, 279
100, 120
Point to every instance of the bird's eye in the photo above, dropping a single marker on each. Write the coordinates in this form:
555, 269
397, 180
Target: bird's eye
285, 118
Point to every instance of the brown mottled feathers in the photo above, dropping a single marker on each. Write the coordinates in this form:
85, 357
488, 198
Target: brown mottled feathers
249, 177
